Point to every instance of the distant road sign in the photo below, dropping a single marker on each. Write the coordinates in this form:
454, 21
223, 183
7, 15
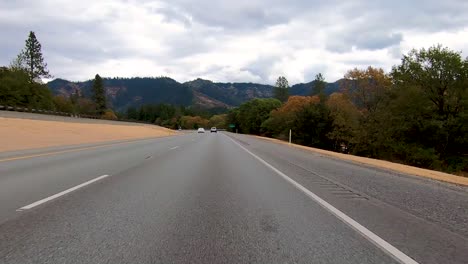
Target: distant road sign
232, 125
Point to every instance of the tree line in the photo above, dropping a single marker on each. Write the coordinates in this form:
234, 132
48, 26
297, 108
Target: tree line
176, 117
417, 114
21, 86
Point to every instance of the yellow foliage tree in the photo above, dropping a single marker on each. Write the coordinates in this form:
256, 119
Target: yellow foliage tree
109, 115
345, 117
193, 122
281, 119
218, 121
366, 87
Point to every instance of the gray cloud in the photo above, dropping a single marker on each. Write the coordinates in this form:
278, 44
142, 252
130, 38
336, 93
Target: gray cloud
261, 67
424, 15
233, 15
378, 24
369, 40
174, 15
224, 39
311, 72
374, 41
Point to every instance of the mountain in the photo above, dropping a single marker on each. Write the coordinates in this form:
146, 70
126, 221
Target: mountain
123, 93
133, 92
232, 94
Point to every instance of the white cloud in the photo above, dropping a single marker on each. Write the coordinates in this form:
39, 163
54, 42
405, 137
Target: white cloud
456, 40
244, 40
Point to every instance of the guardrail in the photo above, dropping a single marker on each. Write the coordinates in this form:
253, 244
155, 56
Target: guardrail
48, 112
41, 111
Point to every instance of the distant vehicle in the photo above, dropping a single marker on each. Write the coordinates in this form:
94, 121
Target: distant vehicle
201, 130
214, 130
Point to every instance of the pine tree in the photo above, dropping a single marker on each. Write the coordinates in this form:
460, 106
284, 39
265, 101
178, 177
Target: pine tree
281, 91
319, 87
30, 59
99, 95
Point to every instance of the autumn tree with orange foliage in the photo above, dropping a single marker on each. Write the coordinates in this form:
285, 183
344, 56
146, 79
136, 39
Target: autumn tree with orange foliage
282, 119
193, 122
366, 87
308, 118
109, 115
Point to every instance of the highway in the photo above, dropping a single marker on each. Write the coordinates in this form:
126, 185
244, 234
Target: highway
220, 198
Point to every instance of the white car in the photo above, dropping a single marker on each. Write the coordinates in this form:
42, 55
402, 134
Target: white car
213, 130
201, 130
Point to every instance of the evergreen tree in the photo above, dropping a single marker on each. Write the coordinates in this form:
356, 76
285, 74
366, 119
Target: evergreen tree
281, 91
17, 90
319, 87
99, 95
30, 59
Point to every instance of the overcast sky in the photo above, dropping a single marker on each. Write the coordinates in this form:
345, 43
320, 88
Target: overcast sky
228, 41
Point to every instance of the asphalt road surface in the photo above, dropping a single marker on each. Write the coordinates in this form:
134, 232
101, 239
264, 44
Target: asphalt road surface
220, 198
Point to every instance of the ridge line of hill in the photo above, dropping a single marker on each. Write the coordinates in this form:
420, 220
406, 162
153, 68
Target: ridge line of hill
123, 93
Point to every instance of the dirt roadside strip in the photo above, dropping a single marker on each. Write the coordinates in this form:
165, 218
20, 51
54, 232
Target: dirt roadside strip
396, 167
22, 134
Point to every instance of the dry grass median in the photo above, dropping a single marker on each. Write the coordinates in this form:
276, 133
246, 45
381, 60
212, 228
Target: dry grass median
20, 134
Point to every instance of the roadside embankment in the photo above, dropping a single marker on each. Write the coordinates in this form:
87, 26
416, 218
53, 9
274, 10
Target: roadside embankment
29, 131
396, 167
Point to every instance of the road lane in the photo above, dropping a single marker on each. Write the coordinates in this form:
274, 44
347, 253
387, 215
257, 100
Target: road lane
424, 218
62, 193
208, 201
28, 180
369, 235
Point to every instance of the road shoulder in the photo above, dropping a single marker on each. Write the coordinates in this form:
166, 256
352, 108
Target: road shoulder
381, 164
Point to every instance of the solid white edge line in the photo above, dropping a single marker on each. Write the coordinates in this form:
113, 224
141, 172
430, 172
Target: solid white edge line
369, 235
176, 147
29, 206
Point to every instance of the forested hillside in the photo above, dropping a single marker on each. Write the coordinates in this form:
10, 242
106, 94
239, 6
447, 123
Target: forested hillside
134, 92
125, 92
